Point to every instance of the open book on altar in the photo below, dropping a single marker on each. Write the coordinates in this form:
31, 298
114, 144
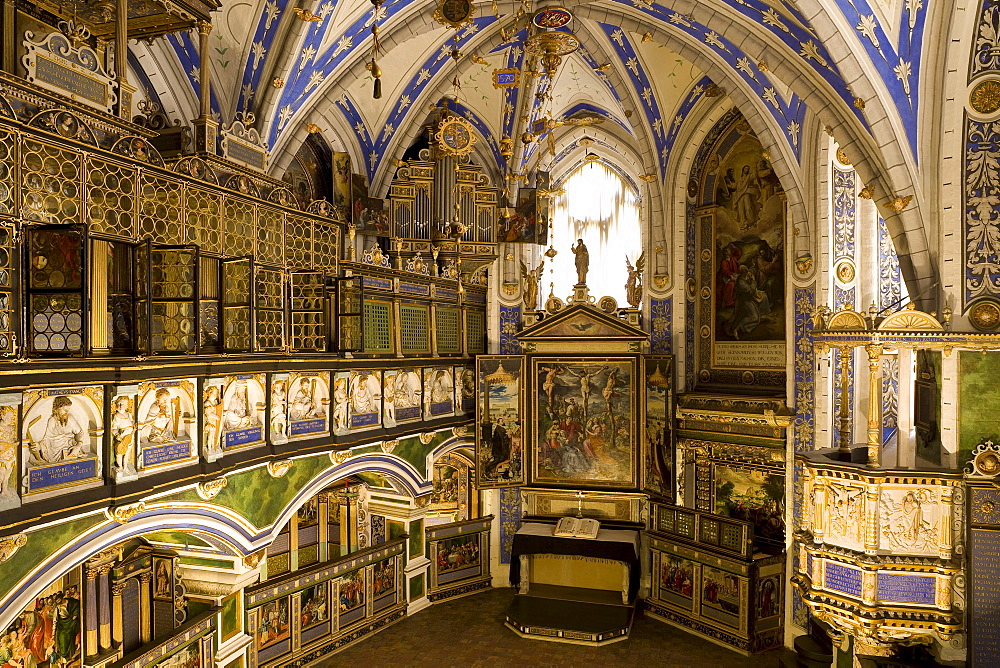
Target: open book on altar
577, 527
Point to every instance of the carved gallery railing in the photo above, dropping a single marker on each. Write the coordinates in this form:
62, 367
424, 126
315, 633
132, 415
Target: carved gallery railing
55, 439
880, 552
707, 577
193, 644
316, 611
460, 558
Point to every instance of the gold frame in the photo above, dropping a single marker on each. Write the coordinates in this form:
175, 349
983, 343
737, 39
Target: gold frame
439, 136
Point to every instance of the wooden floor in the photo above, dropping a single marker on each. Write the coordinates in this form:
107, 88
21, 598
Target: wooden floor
470, 631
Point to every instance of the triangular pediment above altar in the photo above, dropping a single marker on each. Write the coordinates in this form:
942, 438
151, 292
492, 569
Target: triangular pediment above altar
582, 327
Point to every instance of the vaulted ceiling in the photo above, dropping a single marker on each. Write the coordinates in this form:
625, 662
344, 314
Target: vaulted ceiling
646, 67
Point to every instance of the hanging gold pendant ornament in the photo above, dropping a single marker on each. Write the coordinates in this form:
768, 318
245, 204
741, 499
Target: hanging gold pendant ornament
454, 13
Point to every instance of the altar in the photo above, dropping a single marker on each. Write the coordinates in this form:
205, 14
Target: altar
577, 590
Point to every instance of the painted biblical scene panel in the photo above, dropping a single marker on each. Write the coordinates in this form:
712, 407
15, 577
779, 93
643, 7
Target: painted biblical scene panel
721, 596
308, 404
188, 657
47, 633
315, 606
677, 580
754, 496
500, 421
274, 623
243, 411
657, 437
61, 445
584, 414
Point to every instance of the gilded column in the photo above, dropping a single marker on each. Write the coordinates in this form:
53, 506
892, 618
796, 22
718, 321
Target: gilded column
845, 440
121, 58
205, 74
99, 296
104, 608
117, 622
818, 505
323, 508
10, 44
874, 404
871, 518
145, 606
90, 618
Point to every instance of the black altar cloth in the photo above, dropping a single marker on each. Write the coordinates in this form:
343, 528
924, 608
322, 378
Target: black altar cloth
610, 544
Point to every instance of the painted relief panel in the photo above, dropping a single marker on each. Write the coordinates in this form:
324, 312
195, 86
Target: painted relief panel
465, 389
211, 417
408, 396
167, 423
584, 414
439, 392
122, 433
308, 404
274, 623
752, 495
61, 444
909, 520
366, 399
315, 608
47, 632
243, 411
657, 437
277, 409
500, 421
341, 402
845, 516
742, 309
389, 377
9, 443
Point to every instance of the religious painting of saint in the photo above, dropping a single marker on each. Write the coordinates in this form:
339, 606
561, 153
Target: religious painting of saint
500, 421
359, 193
47, 632
62, 435
352, 592
584, 412
308, 404
273, 626
383, 578
243, 411
365, 390
522, 225
371, 217
166, 423
342, 184
450, 495
743, 287
657, 437
163, 579
439, 392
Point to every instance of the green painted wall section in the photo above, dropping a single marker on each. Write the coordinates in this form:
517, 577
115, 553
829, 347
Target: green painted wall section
177, 538
41, 545
978, 402
415, 452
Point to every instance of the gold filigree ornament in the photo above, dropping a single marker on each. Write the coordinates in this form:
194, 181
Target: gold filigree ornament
454, 13
123, 514
985, 97
460, 431
985, 315
340, 456
10, 545
209, 490
253, 560
842, 157
279, 468
426, 437
804, 263
455, 136
897, 204
389, 446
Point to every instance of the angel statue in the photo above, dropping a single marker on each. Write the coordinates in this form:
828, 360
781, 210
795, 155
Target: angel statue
531, 279
633, 286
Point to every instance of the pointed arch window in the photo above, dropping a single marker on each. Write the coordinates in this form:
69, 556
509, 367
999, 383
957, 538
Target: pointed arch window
602, 208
